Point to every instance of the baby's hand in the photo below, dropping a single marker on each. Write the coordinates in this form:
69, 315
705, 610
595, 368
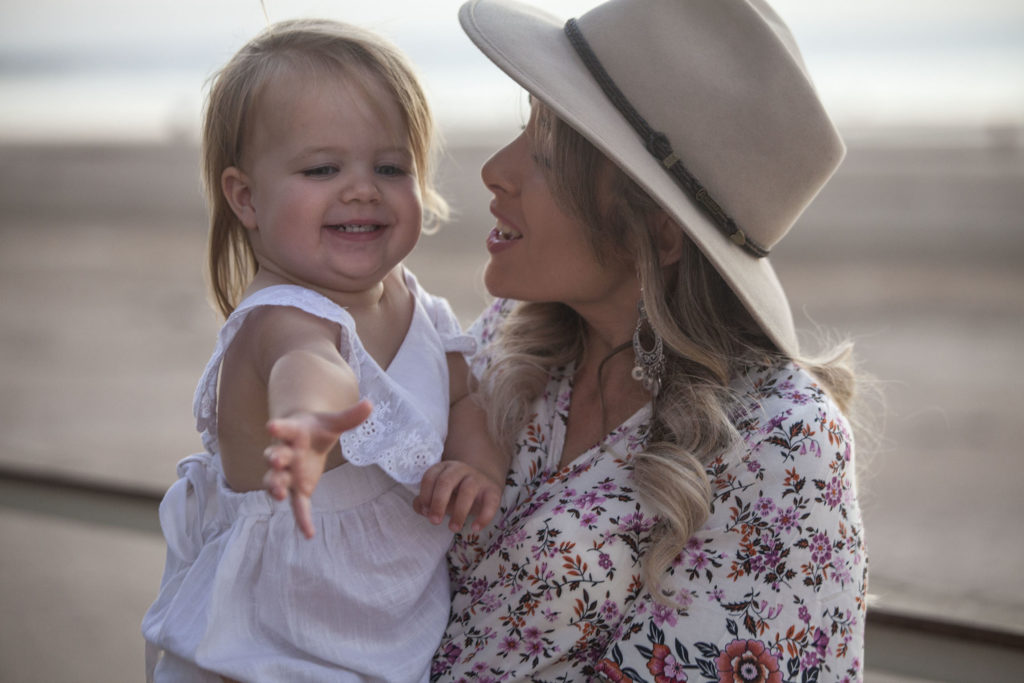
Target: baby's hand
459, 490
297, 459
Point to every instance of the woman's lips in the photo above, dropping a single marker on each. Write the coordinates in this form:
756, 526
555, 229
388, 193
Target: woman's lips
501, 238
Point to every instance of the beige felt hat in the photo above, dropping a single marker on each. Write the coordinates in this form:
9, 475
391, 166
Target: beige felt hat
705, 103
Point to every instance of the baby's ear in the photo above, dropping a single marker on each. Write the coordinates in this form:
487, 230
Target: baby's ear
234, 183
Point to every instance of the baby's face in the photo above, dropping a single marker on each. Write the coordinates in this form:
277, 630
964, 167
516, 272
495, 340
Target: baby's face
329, 187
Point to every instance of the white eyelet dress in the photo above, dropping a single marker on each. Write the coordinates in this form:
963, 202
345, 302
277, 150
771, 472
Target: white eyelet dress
245, 595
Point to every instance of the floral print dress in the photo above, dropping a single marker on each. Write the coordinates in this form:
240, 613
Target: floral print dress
770, 589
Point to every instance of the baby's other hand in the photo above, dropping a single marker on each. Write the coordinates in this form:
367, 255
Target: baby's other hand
460, 491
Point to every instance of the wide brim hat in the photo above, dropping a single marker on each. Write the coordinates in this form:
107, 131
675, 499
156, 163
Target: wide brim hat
706, 104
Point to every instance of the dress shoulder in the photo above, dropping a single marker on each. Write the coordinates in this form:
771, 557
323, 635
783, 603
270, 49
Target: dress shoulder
204, 405
440, 313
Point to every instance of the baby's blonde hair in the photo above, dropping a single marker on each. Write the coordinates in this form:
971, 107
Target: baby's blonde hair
298, 47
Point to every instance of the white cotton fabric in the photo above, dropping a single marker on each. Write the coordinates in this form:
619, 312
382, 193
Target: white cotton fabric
245, 595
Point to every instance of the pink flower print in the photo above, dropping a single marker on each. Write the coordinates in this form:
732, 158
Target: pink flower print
820, 642
753, 466
748, 661
508, 644
804, 614
821, 550
477, 589
490, 602
589, 499
833, 492
588, 520
699, 560
764, 506
605, 561
683, 600
451, 652
664, 666
775, 422
661, 614
785, 520
635, 523
610, 610
841, 574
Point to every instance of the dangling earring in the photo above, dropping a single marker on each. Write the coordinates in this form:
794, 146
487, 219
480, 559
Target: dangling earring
649, 364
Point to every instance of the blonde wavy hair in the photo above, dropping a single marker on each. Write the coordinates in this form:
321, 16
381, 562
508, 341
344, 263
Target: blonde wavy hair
709, 340
301, 47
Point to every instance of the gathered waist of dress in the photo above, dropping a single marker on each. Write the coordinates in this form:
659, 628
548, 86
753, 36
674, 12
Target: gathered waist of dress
342, 488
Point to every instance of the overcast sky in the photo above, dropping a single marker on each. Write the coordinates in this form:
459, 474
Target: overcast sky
65, 65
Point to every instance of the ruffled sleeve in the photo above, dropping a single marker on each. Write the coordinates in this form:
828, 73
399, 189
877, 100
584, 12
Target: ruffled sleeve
774, 583
453, 339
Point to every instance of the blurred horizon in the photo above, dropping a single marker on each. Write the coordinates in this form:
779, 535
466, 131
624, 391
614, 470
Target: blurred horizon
112, 70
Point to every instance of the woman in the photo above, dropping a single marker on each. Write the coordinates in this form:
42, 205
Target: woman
681, 501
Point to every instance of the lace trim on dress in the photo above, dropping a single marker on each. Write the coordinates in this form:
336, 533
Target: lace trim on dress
397, 437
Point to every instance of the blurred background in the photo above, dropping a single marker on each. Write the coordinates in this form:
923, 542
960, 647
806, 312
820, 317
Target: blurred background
914, 250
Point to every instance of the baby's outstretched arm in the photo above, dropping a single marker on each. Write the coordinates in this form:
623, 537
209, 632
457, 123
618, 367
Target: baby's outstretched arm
297, 456
471, 476
312, 397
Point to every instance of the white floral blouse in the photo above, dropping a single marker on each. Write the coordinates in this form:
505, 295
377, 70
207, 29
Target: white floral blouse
770, 589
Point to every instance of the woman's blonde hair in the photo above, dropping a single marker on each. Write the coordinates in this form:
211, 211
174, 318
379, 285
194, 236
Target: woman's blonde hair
297, 47
709, 340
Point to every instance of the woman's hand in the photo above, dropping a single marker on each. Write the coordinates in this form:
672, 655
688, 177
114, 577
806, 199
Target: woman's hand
460, 491
297, 457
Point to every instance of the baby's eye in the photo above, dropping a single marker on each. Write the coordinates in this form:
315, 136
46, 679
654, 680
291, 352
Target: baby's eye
320, 171
390, 170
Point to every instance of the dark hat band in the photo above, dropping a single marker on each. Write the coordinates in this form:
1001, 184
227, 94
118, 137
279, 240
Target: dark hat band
658, 145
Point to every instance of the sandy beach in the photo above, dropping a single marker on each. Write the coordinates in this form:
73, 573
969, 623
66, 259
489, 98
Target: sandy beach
914, 250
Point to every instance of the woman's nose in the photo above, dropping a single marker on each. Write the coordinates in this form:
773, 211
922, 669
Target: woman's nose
501, 172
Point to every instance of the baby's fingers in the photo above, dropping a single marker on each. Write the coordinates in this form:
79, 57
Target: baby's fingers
486, 506
436, 491
277, 483
279, 456
284, 429
347, 419
303, 509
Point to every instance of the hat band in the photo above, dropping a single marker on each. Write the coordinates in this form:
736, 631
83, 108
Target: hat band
658, 145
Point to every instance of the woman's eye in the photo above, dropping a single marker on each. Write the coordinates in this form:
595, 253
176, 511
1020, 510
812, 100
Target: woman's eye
541, 160
320, 171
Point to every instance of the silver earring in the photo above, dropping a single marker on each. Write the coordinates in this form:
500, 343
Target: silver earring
649, 364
